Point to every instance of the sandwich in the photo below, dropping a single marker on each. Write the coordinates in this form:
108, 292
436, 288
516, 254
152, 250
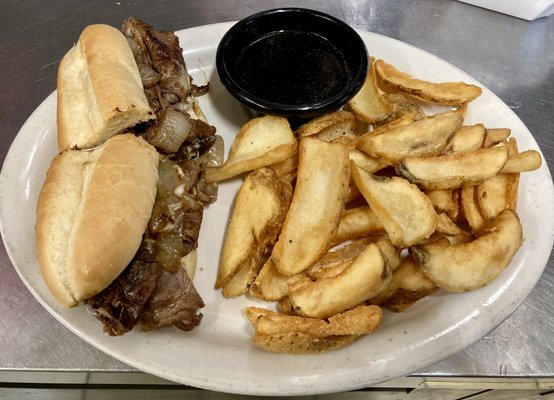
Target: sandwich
120, 211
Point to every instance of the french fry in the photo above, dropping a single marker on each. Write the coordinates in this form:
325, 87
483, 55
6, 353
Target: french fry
444, 201
426, 137
356, 223
317, 124
318, 200
528, 160
404, 211
368, 104
449, 93
366, 277
472, 265
338, 257
470, 208
456, 170
495, 136
467, 138
249, 235
408, 285
300, 343
261, 142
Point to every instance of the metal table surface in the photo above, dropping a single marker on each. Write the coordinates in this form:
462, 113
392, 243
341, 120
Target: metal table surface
512, 57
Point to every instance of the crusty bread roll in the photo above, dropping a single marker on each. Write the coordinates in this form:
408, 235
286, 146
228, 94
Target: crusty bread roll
92, 212
100, 91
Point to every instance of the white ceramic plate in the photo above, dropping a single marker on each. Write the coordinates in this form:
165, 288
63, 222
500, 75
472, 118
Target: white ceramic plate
217, 355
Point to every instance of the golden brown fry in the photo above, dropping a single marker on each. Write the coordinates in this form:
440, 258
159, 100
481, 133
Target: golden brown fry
444, 201
250, 234
261, 142
358, 321
455, 170
449, 93
467, 138
408, 284
496, 135
300, 343
318, 200
493, 195
270, 284
403, 108
426, 137
472, 265
404, 211
470, 208
317, 124
365, 161
368, 104
342, 131
366, 277
446, 226
356, 223
338, 257
528, 160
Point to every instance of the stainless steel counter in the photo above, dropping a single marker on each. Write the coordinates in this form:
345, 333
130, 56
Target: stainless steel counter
512, 57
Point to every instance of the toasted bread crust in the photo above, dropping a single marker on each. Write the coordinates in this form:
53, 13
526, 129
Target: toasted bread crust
91, 215
100, 91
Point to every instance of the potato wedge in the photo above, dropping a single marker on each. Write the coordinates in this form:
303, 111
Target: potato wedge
456, 170
403, 108
343, 131
449, 93
356, 223
426, 137
408, 285
471, 210
529, 160
250, 235
495, 136
446, 226
340, 256
472, 265
317, 124
261, 142
365, 161
444, 201
366, 277
368, 104
317, 203
285, 167
404, 211
493, 195
358, 321
467, 138
270, 284
300, 343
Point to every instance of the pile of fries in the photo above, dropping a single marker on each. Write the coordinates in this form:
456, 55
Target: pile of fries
373, 206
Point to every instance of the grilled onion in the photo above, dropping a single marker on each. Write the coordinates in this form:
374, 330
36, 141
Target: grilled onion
171, 132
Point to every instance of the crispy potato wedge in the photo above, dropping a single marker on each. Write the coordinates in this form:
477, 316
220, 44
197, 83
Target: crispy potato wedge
261, 142
426, 137
365, 161
318, 200
317, 124
368, 104
249, 235
472, 265
366, 277
300, 343
495, 136
467, 138
342, 131
403, 108
408, 285
358, 321
404, 211
446, 226
444, 201
285, 167
270, 284
449, 93
356, 223
455, 170
470, 208
493, 195
390, 253
340, 256
528, 160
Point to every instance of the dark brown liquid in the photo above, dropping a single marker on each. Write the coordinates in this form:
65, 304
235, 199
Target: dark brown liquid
291, 67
